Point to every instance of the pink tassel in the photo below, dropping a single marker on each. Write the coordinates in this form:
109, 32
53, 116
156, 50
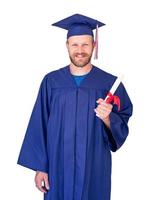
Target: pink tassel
96, 44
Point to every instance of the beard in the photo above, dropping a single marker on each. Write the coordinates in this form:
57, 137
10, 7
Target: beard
80, 59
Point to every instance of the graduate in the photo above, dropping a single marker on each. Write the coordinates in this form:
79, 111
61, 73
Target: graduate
72, 129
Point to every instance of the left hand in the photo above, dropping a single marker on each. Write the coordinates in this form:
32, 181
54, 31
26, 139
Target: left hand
103, 110
41, 181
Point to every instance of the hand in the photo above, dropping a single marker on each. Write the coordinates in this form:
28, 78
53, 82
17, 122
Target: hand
41, 181
103, 111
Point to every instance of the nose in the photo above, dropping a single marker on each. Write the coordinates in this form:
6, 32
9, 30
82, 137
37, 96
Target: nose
80, 49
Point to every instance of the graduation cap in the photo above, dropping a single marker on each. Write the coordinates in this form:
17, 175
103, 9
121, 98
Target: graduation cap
78, 24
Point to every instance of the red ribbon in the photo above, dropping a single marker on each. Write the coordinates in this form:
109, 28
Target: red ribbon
113, 99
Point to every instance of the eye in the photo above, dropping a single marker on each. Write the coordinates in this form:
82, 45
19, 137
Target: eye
85, 45
74, 45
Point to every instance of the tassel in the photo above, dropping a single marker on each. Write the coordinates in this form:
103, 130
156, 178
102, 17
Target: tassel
96, 44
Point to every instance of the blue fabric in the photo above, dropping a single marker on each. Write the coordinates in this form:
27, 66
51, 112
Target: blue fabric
78, 24
68, 141
79, 79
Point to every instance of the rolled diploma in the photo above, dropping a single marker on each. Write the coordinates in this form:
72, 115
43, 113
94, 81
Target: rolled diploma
115, 86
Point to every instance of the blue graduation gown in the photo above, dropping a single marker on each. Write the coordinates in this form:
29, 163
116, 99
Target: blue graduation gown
68, 141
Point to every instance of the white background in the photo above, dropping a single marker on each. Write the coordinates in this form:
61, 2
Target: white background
30, 47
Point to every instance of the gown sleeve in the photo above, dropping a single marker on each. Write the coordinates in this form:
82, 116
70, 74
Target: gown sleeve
33, 153
118, 131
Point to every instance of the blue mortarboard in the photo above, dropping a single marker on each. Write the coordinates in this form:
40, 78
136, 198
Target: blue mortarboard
78, 25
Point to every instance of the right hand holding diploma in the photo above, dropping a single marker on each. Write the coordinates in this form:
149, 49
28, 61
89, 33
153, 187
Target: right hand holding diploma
41, 181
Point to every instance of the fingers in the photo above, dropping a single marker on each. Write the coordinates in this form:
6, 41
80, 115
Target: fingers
46, 182
103, 109
106, 107
41, 181
102, 105
40, 185
102, 113
100, 100
41, 188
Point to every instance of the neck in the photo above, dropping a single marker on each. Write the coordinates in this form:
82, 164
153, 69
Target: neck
80, 70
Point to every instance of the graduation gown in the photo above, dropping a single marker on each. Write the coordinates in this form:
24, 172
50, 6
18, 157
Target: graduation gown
68, 141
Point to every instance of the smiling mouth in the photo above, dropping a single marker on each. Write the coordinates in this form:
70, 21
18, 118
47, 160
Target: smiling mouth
80, 55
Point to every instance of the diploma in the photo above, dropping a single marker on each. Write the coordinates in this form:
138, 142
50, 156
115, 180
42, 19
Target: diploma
110, 96
115, 86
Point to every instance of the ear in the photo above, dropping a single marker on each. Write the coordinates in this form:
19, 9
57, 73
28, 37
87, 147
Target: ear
94, 44
67, 44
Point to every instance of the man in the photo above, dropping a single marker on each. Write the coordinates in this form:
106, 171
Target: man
72, 130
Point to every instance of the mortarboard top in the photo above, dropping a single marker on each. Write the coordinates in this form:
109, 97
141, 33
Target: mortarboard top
78, 25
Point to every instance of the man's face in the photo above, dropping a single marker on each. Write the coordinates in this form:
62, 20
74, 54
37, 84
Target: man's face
80, 49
